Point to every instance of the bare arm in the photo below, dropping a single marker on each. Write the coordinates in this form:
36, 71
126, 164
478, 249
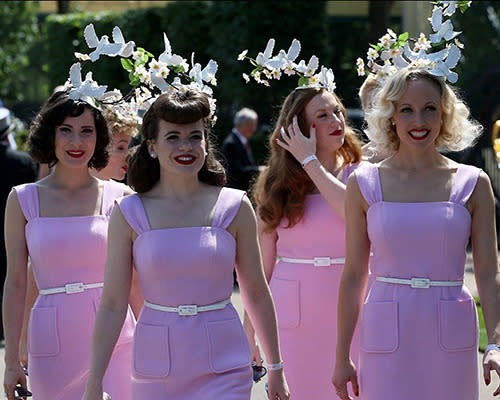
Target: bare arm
331, 188
484, 252
352, 286
114, 302
31, 296
14, 292
267, 241
256, 294
135, 298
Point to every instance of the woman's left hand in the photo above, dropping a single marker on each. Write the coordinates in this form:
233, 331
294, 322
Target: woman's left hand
296, 143
277, 386
491, 362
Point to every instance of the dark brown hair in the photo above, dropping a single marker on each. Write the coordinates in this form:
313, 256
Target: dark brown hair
41, 140
281, 188
178, 108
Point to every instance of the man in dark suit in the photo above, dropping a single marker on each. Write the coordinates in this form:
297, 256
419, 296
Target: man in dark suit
17, 168
240, 163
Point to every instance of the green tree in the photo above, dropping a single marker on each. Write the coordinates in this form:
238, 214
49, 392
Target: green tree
18, 31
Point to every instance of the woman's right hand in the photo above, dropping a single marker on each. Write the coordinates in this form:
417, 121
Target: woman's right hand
294, 141
13, 376
277, 386
345, 372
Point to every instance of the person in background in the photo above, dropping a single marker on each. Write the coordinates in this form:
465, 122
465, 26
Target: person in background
240, 162
17, 168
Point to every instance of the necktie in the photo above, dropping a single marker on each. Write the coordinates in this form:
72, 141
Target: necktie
249, 152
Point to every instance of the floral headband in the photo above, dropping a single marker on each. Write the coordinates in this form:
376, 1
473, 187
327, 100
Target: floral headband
148, 77
284, 62
393, 52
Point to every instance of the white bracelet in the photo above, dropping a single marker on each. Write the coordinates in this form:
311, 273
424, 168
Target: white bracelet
274, 367
491, 347
308, 159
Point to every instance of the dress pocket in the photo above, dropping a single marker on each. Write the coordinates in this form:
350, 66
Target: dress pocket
457, 325
379, 327
151, 357
43, 334
228, 346
286, 296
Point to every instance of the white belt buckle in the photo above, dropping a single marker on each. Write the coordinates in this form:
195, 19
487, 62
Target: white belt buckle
322, 261
191, 309
72, 288
420, 283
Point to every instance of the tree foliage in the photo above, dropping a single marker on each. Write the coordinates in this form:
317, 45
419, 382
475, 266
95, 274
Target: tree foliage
18, 31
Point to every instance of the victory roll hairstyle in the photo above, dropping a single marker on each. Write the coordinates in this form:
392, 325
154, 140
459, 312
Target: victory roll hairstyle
178, 108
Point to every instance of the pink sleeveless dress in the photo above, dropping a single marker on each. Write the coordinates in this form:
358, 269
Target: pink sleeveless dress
306, 296
418, 343
180, 357
67, 250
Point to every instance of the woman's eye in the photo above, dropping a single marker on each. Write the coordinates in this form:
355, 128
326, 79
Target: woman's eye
64, 130
338, 111
172, 138
431, 108
406, 109
196, 137
322, 116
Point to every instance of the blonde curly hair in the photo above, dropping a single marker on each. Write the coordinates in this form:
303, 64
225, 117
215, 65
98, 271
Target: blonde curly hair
458, 130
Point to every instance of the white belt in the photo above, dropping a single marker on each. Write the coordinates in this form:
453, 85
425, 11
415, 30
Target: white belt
71, 288
316, 261
419, 283
189, 309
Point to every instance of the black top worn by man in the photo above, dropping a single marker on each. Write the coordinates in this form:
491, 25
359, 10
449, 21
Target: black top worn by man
240, 163
16, 168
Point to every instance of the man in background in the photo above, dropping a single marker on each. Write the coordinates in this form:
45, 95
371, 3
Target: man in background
241, 166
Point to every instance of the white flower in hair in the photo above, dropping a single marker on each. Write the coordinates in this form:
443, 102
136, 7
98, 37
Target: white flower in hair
443, 30
84, 90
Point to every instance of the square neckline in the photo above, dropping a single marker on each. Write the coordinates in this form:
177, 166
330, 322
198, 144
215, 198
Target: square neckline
215, 209
381, 194
101, 206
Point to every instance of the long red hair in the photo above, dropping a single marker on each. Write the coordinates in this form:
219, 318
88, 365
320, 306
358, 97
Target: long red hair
281, 188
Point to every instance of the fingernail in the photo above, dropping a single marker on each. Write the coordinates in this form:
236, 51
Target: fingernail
314, 126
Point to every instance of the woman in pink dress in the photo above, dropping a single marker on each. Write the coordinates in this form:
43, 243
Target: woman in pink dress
305, 231
184, 233
61, 223
417, 210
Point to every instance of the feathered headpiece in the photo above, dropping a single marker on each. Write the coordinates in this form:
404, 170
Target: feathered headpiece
393, 52
285, 62
148, 77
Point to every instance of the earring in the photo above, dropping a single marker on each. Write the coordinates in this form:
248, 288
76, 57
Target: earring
393, 123
152, 154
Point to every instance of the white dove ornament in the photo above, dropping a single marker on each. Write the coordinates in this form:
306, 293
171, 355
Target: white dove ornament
126, 48
442, 30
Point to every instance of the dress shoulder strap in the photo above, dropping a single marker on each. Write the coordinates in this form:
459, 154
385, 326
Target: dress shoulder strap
464, 183
368, 179
227, 207
27, 195
112, 191
133, 210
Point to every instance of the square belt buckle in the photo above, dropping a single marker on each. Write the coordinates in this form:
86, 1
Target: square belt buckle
420, 283
191, 309
322, 261
72, 288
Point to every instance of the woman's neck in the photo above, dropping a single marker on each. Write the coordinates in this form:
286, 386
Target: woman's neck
330, 161
102, 175
70, 178
417, 160
178, 186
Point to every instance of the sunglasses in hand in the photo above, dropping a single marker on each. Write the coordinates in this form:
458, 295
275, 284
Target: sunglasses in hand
259, 371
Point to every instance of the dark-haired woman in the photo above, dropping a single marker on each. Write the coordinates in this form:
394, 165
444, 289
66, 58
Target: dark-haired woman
61, 222
184, 232
306, 230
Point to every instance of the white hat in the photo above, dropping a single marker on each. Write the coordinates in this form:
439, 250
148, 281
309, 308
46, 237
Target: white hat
5, 119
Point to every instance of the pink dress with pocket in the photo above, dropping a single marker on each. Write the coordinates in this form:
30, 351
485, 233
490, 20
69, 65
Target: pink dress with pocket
306, 297
418, 342
70, 250
186, 357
